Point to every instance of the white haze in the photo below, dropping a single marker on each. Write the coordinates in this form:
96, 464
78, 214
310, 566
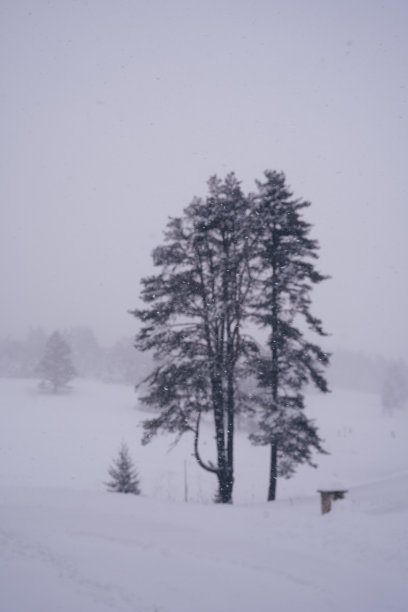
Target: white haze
114, 115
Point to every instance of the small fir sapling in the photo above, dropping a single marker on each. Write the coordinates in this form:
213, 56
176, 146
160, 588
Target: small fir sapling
124, 476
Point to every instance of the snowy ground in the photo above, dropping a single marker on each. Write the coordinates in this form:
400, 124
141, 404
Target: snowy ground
66, 544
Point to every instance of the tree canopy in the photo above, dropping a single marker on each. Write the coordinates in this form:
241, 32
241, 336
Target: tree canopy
228, 260
285, 275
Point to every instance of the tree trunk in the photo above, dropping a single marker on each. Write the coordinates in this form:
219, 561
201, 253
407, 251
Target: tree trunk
224, 494
225, 484
273, 473
229, 476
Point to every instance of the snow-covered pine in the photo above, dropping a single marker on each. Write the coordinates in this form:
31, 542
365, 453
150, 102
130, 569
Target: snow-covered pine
55, 367
285, 276
192, 320
124, 476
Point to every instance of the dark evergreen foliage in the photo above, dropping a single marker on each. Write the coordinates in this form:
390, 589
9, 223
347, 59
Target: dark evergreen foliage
56, 368
195, 309
285, 276
124, 477
228, 259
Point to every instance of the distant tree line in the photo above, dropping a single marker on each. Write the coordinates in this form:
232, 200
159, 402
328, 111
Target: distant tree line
118, 363
358, 371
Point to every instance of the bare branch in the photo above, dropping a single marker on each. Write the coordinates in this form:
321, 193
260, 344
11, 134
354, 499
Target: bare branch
210, 467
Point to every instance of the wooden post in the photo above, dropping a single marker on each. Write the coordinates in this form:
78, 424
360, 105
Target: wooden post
325, 501
328, 496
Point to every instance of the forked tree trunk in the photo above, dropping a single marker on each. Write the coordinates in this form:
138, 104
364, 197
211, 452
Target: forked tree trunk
225, 485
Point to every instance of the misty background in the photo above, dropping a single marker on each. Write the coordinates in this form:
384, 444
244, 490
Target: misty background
115, 114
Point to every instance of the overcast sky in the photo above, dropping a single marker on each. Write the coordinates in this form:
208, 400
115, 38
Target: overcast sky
115, 113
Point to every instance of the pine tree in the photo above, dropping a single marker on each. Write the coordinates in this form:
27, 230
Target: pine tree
228, 258
55, 367
125, 478
285, 275
192, 322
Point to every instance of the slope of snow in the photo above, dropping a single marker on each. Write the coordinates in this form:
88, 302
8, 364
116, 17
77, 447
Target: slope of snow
66, 544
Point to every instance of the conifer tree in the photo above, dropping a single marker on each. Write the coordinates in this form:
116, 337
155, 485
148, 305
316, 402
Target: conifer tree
228, 258
124, 476
285, 276
55, 367
194, 311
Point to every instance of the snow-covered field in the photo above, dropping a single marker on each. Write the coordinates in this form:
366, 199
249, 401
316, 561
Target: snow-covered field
67, 545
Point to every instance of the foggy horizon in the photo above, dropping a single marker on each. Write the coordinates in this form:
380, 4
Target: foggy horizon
115, 116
